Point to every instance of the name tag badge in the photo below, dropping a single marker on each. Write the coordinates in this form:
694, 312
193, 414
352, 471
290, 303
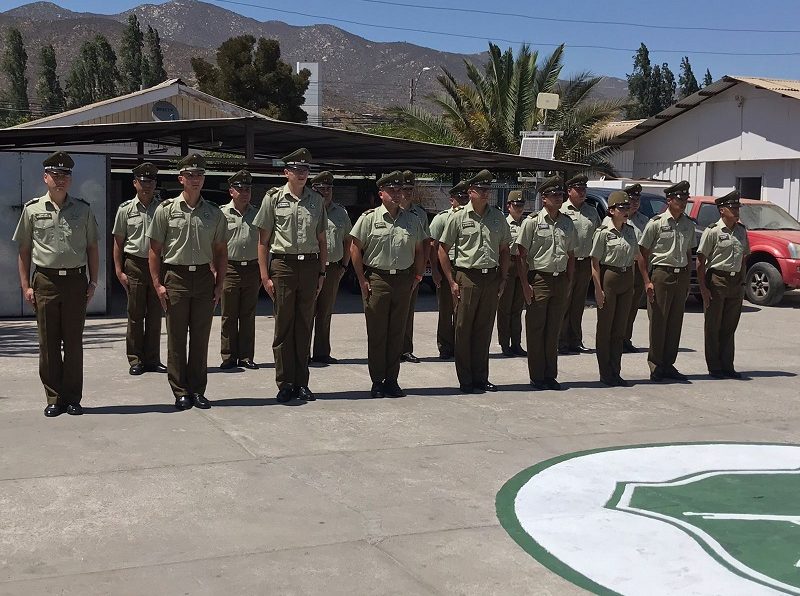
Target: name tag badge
724, 236
380, 224
666, 228
43, 216
468, 224
542, 226
282, 204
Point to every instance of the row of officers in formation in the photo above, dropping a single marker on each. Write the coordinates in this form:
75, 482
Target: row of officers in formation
183, 255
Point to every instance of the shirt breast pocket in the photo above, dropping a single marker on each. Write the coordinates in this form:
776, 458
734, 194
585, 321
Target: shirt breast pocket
134, 223
176, 224
44, 229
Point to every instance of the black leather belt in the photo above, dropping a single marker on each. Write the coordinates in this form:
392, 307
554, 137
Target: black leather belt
670, 268
309, 256
387, 271
63, 271
242, 263
723, 273
135, 257
477, 269
616, 269
189, 268
549, 273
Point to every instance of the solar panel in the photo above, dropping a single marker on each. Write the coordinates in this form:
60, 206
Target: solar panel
539, 143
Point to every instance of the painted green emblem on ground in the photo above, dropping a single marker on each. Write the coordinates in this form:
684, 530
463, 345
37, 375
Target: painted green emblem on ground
719, 518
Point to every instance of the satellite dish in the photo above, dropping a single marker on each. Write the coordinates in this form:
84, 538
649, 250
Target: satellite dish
547, 101
165, 111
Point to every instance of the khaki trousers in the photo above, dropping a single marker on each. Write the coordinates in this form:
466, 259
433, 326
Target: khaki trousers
60, 317
386, 310
143, 337
666, 316
475, 315
571, 331
295, 292
190, 311
239, 300
612, 320
323, 311
509, 311
638, 290
722, 318
543, 323
445, 326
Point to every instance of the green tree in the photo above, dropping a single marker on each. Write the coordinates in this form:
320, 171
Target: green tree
153, 71
640, 85
14, 103
666, 88
255, 78
707, 80
93, 75
130, 55
686, 80
498, 102
48, 88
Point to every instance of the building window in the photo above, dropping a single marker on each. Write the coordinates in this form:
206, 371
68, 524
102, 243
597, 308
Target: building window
749, 187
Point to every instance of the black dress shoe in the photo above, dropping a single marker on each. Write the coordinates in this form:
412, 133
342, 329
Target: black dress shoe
539, 385
377, 390
248, 363
324, 359
622, 382
579, 349
392, 389
156, 368
184, 402
733, 374
553, 384
409, 357
445, 355
74, 409
53, 410
518, 351
228, 364
717, 374
656, 376
672, 373
200, 401
305, 394
628, 347
467, 389
608, 382
286, 394
487, 386
564, 351
136, 370
507, 351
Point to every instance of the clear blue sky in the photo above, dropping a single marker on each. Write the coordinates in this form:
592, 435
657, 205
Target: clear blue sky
509, 31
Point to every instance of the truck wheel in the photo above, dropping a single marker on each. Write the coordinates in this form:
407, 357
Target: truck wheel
764, 285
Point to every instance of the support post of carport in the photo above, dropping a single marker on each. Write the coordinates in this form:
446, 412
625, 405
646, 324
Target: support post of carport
249, 142
184, 144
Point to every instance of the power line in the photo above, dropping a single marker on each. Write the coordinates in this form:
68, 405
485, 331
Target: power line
511, 41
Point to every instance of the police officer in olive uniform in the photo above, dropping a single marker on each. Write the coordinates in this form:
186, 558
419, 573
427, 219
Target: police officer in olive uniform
545, 263
586, 220
638, 220
445, 327
58, 233
292, 254
667, 241
721, 265
131, 245
242, 279
391, 267
509, 308
615, 253
188, 234
408, 204
338, 238
481, 237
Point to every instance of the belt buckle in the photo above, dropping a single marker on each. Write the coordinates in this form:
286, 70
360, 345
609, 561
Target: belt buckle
327, 263
581, 258
244, 263
192, 267
732, 273
624, 269
392, 271
301, 257
62, 272
484, 271
676, 270
555, 273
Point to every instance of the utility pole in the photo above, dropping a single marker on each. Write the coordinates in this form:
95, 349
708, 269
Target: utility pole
414, 81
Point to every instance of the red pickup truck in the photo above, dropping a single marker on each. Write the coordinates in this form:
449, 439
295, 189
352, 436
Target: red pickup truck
774, 236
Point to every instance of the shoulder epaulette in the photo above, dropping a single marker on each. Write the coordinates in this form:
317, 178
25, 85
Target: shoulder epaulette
603, 227
498, 208
81, 201
738, 223
125, 203
692, 219
443, 212
655, 217
274, 190
457, 209
713, 225
165, 202
32, 201
533, 215
368, 211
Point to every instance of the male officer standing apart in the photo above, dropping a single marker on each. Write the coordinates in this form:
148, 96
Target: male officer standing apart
668, 240
509, 309
407, 204
721, 259
188, 233
391, 267
638, 220
242, 279
292, 253
481, 238
58, 234
445, 328
546, 261
586, 220
338, 238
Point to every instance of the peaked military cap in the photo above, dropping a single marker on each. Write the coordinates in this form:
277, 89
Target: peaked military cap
680, 188
145, 171
301, 157
729, 200
193, 162
59, 161
633, 188
577, 179
391, 179
459, 189
550, 184
408, 178
515, 196
482, 179
618, 197
240, 179
322, 179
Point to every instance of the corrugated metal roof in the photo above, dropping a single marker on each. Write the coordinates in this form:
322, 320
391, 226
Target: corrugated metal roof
786, 87
618, 127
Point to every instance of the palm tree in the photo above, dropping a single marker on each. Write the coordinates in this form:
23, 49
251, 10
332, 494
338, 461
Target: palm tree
496, 104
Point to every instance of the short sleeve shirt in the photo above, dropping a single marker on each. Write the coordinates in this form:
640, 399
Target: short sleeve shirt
586, 221
514, 227
58, 238
187, 234
388, 243
548, 241
637, 222
241, 233
339, 227
724, 248
669, 240
437, 227
423, 219
477, 239
616, 248
131, 223
293, 222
